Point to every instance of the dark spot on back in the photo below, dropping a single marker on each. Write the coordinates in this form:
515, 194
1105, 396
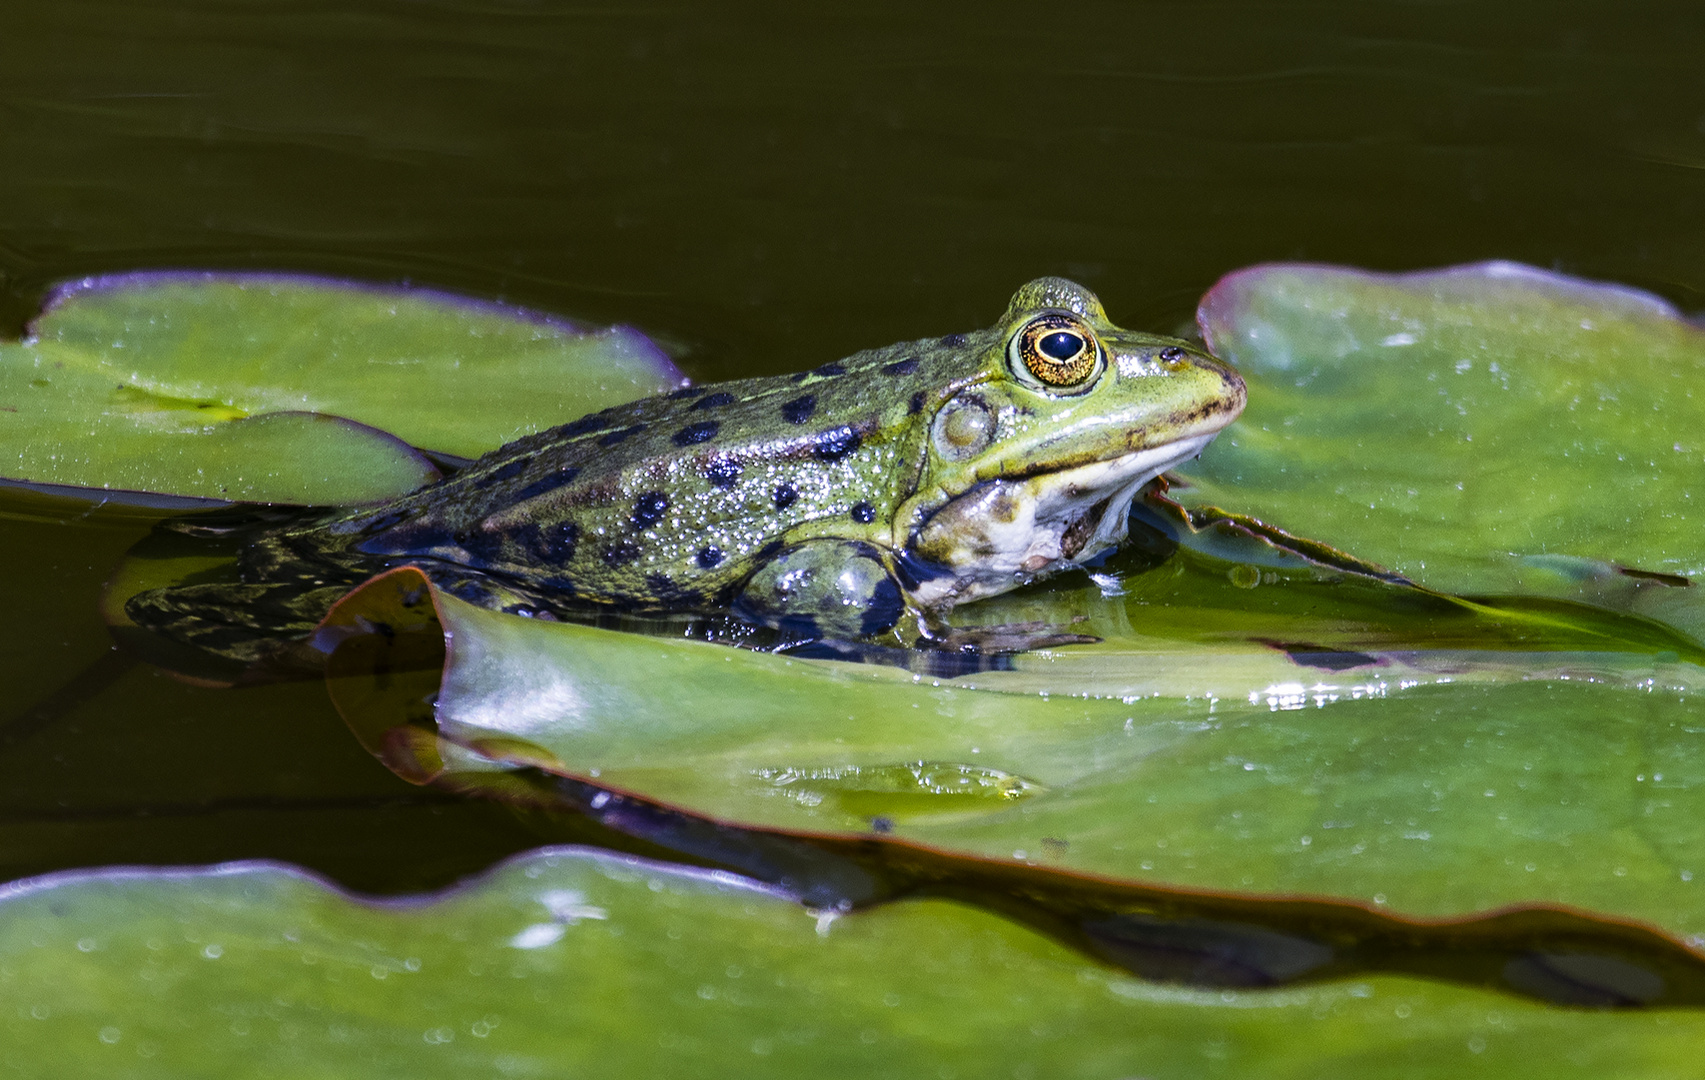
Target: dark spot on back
415, 539
835, 444
648, 509
620, 434
620, 553
710, 555
953, 341
799, 409
501, 473
686, 392
703, 431
769, 550
917, 405
829, 369
863, 513
547, 483
553, 544
722, 472
584, 426
785, 495
482, 546
901, 367
714, 401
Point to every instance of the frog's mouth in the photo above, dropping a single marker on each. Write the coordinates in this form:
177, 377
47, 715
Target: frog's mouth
1010, 531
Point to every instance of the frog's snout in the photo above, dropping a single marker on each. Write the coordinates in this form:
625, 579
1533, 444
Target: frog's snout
1217, 395
1234, 395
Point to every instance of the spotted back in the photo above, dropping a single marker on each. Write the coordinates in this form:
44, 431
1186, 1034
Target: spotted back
668, 502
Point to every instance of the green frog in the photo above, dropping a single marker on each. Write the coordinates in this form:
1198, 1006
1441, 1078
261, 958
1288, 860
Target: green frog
863, 498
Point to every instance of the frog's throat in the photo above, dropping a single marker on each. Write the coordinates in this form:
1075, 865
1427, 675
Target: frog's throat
1007, 533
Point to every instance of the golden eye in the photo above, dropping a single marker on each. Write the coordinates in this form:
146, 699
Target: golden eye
1058, 349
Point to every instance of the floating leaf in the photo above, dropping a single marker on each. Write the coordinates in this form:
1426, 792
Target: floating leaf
1265, 715
567, 957
1483, 428
276, 388
1199, 938
1228, 763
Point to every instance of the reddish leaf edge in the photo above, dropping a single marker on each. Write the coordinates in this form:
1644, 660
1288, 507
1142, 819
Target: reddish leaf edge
1467, 277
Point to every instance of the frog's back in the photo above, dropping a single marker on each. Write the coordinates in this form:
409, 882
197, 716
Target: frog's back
669, 501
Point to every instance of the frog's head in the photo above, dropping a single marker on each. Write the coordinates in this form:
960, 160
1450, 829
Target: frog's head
1033, 462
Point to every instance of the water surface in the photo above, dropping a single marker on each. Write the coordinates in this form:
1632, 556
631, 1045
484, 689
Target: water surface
762, 188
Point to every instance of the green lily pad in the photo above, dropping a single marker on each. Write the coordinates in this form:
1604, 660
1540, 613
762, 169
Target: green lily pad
274, 388
1264, 715
1358, 762
568, 960
1484, 428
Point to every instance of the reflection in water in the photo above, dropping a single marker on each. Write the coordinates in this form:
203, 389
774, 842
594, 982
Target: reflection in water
766, 190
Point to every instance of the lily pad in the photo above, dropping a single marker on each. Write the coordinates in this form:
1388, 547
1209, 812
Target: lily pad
566, 960
1482, 428
276, 388
1299, 765
1265, 715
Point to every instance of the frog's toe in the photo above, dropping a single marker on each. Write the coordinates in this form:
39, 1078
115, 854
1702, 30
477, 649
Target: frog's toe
829, 588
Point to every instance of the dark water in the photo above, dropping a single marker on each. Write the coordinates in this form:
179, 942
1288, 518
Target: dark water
763, 187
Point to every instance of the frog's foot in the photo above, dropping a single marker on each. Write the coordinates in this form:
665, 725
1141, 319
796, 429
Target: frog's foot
232, 621
840, 589
1006, 638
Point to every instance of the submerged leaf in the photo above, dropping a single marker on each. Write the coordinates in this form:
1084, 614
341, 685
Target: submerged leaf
278, 388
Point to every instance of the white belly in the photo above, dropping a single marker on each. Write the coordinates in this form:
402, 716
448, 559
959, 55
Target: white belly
1010, 532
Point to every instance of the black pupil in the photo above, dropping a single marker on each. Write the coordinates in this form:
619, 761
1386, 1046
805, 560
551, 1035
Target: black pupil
1060, 345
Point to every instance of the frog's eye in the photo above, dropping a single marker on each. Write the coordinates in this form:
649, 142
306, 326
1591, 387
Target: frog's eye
1057, 349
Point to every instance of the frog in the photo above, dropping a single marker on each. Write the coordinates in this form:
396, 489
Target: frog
862, 499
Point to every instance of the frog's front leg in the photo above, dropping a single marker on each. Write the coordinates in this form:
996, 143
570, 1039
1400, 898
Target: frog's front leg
825, 588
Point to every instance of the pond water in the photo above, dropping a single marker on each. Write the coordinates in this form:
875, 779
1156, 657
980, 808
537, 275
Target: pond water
761, 188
